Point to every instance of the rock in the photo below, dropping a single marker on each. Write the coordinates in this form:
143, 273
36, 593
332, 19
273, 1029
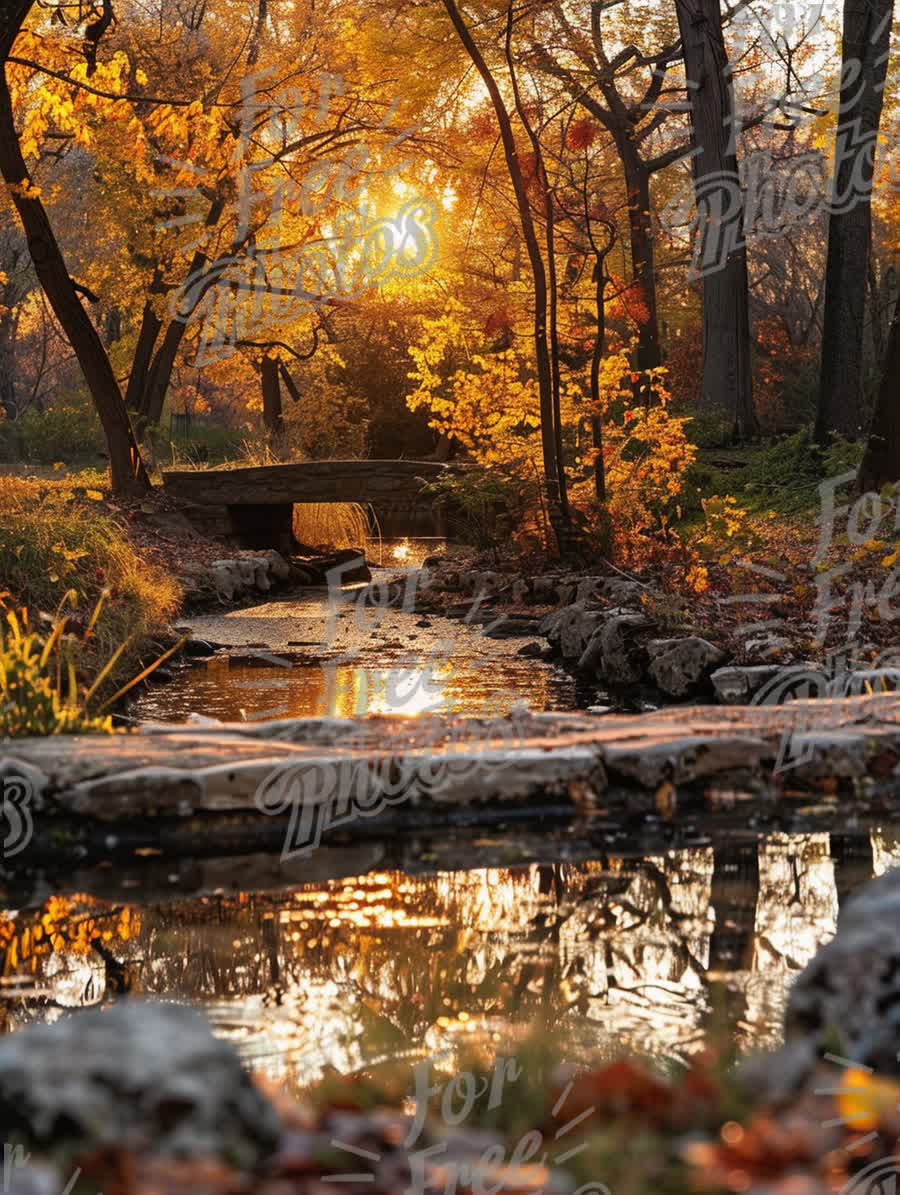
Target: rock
23, 1175
345, 566
134, 1075
520, 590
682, 666
222, 579
623, 657
279, 568
569, 630
586, 590
590, 662
765, 646
530, 651
199, 648
565, 593
544, 590
814, 756
685, 759
847, 1000
769, 684
623, 592
489, 582
736, 685
512, 628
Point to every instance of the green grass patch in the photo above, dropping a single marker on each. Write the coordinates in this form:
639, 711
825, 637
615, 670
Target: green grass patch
783, 476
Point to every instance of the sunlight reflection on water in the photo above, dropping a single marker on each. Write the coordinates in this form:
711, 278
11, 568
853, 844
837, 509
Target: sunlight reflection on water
649, 955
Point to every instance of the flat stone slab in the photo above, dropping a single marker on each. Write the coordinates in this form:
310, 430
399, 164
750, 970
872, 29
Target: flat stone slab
361, 767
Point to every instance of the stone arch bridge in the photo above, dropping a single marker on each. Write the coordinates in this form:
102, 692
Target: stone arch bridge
253, 507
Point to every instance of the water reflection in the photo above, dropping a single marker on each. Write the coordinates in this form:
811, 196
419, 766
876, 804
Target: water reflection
645, 955
234, 691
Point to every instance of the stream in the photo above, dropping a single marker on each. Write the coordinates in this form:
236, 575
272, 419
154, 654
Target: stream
409, 949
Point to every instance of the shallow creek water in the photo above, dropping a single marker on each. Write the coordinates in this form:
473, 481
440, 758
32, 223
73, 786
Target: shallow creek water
383, 948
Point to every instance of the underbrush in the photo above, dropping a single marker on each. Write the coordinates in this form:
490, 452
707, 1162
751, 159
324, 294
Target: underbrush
58, 537
69, 430
783, 476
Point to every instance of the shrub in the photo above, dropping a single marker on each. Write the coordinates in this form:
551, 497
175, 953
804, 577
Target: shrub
489, 507
66, 431
786, 475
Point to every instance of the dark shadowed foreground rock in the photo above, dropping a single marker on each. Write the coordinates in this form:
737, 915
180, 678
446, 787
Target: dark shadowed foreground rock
847, 1000
137, 1075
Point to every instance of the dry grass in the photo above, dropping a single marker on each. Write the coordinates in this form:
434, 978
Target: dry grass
331, 524
57, 536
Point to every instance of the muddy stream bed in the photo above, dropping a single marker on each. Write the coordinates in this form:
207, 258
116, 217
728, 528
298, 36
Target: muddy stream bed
415, 946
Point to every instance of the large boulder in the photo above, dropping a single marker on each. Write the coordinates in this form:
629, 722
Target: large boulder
623, 591
623, 654
847, 1001
135, 1075
569, 630
681, 667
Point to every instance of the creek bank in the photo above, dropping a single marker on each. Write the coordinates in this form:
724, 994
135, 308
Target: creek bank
606, 631
248, 574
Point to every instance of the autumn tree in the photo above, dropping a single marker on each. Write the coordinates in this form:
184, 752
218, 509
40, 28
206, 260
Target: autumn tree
865, 50
881, 461
721, 252
626, 93
554, 471
126, 466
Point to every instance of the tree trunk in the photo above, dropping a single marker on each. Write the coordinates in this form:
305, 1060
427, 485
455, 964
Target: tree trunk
866, 43
273, 416
550, 242
596, 358
126, 467
881, 461
643, 266
148, 335
721, 256
153, 374
539, 273
8, 403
